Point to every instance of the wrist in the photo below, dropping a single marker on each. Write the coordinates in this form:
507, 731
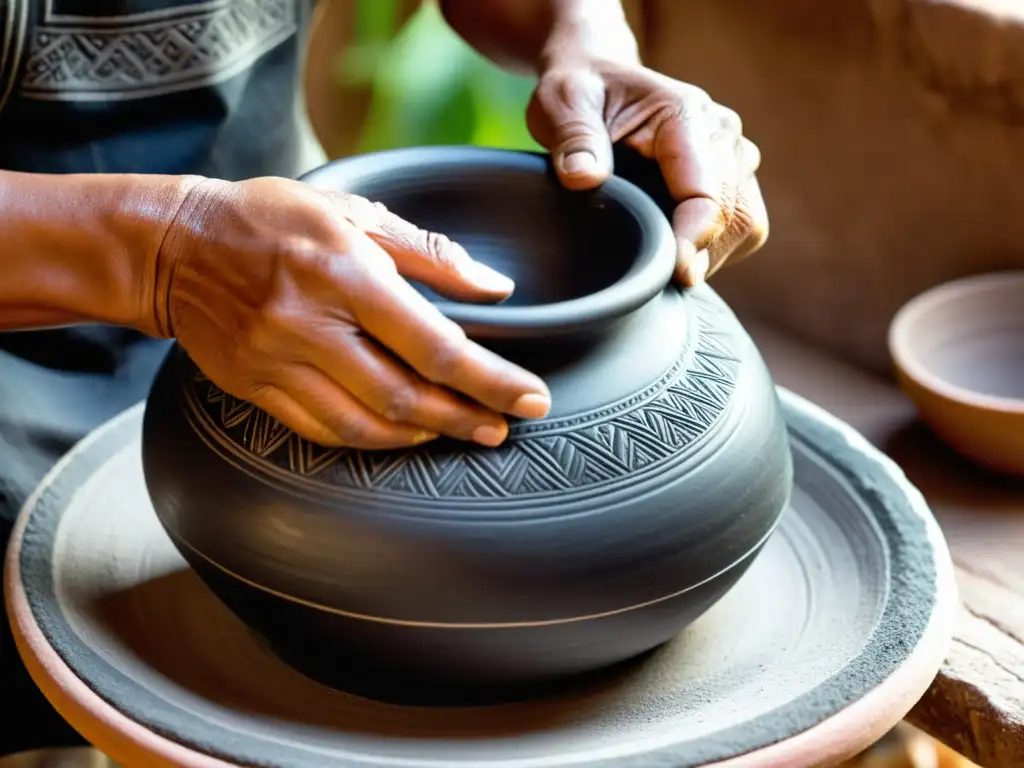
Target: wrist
141, 211
594, 34
81, 248
193, 198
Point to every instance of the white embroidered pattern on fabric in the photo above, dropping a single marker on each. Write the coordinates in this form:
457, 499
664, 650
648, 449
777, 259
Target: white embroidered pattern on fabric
74, 58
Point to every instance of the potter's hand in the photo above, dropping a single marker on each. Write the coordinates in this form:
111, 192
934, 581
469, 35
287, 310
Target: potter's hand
296, 300
582, 106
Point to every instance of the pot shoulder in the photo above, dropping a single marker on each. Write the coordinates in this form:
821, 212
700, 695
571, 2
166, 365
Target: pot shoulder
667, 462
652, 393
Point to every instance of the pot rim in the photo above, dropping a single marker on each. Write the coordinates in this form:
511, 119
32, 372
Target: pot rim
650, 273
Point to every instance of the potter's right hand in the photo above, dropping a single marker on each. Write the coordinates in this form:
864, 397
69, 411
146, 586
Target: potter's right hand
296, 300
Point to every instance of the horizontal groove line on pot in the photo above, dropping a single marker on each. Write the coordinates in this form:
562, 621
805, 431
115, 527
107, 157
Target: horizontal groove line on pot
486, 511
481, 625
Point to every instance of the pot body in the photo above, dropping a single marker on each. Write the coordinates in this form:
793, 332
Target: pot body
589, 537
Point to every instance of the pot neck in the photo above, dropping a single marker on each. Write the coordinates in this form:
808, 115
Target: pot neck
576, 322
553, 346
566, 349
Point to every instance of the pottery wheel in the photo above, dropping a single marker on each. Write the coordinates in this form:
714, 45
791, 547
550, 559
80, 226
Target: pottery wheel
824, 644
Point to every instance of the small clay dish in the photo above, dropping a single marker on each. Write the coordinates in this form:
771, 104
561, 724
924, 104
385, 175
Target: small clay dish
958, 350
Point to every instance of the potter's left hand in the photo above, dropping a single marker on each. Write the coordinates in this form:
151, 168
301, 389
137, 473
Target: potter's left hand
582, 106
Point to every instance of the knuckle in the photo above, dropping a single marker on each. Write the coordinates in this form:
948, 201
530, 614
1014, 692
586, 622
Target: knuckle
550, 89
694, 102
445, 360
743, 225
573, 90
302, 255
576, 133
263, 337
271, 331
727, 199
401, 404
259, 395
361, 212
380, 209
347, 428
440, 249
674, 108
730, 120
352, 203
305, 265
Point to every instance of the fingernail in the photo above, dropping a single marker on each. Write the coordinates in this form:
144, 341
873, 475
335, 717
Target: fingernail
531, 406
487, 278
580, 162
424, 437
490, 435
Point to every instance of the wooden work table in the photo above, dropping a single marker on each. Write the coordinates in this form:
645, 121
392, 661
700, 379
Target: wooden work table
976, 704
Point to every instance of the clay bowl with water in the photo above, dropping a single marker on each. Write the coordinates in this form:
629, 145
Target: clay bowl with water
588, 538
958, 350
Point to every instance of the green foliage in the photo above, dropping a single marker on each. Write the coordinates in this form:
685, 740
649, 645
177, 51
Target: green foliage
430, 87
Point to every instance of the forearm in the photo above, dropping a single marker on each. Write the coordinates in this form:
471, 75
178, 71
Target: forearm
531, 35
82, 248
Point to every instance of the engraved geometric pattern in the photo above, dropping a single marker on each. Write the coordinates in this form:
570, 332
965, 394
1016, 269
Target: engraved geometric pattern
539, 458
148, 57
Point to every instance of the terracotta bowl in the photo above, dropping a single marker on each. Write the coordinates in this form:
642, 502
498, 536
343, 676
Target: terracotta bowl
959, 354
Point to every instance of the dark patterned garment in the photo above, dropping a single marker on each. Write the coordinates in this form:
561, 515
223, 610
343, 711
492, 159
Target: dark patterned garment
207, 87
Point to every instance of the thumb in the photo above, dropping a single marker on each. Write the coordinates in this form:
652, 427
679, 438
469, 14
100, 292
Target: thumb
428, 257
566, 115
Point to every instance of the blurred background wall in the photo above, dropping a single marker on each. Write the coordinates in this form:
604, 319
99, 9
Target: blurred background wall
892, 133
390, 73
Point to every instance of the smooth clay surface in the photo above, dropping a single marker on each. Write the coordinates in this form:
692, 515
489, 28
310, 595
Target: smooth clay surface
854, 583
586, 538
959, 354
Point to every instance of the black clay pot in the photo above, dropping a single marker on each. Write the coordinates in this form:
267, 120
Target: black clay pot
585, 540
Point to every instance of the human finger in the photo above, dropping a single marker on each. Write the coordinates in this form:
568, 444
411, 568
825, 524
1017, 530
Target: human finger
747, 231
429, 257
327, 414
399, 317
566, 115
399, 394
